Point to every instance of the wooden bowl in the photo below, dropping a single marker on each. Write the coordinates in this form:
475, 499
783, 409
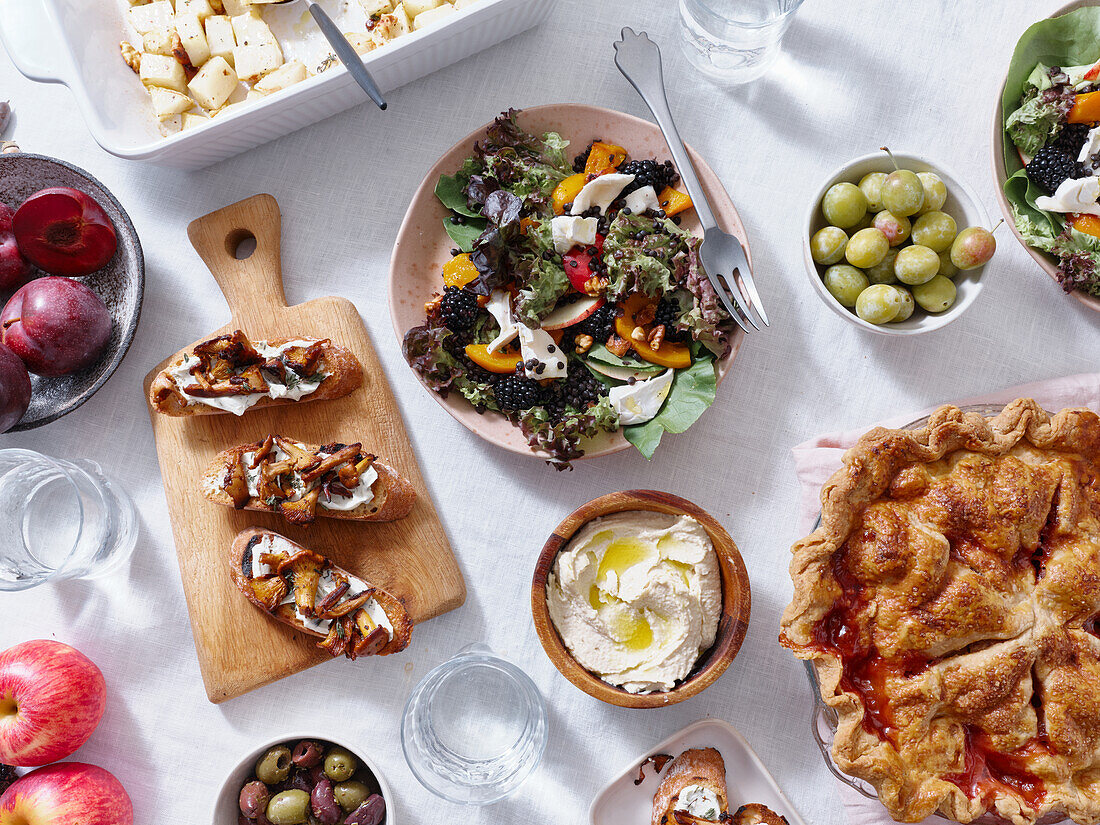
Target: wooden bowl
422, 245
1045, 260
732, 624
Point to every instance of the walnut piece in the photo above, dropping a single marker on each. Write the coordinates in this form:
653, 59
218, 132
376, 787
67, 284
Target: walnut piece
656, 336
584, 343
131, 55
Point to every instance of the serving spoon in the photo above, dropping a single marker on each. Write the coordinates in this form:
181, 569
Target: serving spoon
344, 50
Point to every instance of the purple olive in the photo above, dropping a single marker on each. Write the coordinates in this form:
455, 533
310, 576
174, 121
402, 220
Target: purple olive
323, 803
307, 753
301, 782
253, 799
316, 773
371, 812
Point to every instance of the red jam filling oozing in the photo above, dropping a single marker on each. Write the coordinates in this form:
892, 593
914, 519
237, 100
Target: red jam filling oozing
988, 771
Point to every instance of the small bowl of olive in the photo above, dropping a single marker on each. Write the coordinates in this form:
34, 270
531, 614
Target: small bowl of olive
304, 780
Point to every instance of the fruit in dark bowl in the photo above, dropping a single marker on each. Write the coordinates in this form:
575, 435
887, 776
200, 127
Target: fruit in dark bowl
15, 389
56, 326
64, 232
14, 269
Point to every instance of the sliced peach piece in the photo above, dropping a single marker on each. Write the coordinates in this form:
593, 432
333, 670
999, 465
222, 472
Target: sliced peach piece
677, 356
673, 202
1089, 224
604, 157
459, 271
567, 191
503, 361
1086, 108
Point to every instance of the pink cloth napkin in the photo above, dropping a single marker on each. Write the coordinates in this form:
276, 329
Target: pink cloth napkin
817, 459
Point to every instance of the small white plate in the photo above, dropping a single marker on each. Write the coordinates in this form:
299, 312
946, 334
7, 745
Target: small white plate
624, 803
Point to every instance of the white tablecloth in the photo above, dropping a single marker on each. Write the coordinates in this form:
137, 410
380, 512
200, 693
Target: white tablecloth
855, 75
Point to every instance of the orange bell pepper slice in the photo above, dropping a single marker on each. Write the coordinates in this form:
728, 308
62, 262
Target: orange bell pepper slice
677, 356
1089, 224
603, 158
502, 362
1086, 108
673, 202
566, 191
459, 271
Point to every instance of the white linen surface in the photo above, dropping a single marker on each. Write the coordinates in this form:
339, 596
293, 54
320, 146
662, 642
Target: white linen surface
855, 75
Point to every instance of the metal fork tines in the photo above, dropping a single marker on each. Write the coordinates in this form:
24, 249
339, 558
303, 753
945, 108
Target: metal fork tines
723, 257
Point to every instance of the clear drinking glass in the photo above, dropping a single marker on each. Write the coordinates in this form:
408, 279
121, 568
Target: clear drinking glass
474, 728
734, 41
60, 520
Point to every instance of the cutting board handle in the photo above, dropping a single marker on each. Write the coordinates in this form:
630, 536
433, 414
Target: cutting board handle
252, 286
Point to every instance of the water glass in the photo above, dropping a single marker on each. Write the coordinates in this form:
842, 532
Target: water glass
734, 41
474, 728
60, 520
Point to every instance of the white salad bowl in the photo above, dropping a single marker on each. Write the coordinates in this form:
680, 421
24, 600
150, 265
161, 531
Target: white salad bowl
227, 804
962, 204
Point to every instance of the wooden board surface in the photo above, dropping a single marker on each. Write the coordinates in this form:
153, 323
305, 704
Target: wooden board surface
240, 648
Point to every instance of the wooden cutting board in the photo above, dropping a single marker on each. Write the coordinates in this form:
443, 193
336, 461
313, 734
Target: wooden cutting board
240, 648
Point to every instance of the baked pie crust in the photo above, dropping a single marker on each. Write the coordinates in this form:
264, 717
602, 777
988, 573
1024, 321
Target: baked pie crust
949, 603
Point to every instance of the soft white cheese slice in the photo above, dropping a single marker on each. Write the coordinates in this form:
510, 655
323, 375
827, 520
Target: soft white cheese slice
360, 495
642, 200
500, 307
1073, 195
601, 192
699, 801
639, 402
1092, 145
569, 231
537, 344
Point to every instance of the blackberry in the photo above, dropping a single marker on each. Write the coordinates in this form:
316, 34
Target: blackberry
667, 311
517, 392
600, 324
649, 173
459, 308
1071, 138
1051, 166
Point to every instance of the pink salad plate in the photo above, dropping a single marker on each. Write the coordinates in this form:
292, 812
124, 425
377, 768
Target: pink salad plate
423, 246
1047, 261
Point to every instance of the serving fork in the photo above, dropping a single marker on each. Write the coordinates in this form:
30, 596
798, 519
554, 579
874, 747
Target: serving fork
723, 257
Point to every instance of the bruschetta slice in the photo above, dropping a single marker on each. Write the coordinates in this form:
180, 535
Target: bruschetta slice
233, 374
303, 481
306, 591
693, 791
756, 814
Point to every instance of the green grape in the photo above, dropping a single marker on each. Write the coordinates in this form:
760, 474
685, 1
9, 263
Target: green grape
871, 184
866, 248
946, 267
879, 304
902, 193
827, 245
896, 228
845, 283
936, 230
907, 305
935, 296
973, 247
844, 205
883, 271
916, 265
935, 192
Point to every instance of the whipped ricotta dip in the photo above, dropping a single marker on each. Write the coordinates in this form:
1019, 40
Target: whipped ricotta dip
636, 597
699, 801
362, 494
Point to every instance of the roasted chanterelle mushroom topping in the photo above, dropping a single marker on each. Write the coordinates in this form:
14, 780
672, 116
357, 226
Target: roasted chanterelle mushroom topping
295, 481
301, 586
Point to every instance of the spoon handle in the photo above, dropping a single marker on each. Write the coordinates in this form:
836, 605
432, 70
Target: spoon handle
348, 56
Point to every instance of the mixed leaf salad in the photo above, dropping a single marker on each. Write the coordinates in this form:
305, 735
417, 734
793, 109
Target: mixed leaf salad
1052, 147
573, 302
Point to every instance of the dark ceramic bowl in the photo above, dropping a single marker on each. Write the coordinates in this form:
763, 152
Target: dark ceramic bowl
120, 284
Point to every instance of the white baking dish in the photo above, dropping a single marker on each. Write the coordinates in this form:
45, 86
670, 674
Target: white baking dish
75, 42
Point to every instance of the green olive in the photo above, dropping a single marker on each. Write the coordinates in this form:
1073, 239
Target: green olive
288, 808
827, 245
937, 295
883, 271
340, 765
907, 305
351, 794
845, 283
274, 766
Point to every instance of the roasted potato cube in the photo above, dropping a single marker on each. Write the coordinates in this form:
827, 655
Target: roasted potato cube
373, 7
220, 37
360, 41
191, 120
286, 75
156, 15
199, 8
431, 16
235, 7
253, 62
214, 83
461, 4
391, 25
193, 37
251, 30
413, 8
167, 103
166, 72
159, 41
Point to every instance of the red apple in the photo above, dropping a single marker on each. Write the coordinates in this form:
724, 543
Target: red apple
56, 326
15, 389
569, 314
67, 793
65, 232
52, 697
14, 268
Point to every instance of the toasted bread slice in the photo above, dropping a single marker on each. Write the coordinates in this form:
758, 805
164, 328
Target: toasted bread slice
345, 375
393, 493
698, 766
756, 814
240, 570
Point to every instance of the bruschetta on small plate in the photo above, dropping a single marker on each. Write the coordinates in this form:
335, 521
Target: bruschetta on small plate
303, 481
304, 590
709, 761
232, 374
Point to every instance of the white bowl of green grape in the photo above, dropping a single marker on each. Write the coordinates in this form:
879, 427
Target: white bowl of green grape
896, 244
